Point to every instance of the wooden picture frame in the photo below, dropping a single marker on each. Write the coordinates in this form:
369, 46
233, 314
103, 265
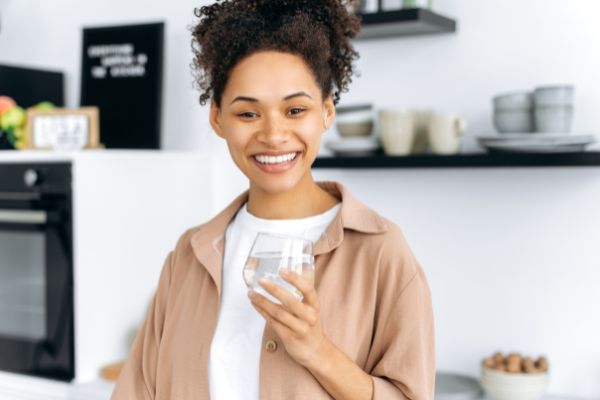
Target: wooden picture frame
63, 129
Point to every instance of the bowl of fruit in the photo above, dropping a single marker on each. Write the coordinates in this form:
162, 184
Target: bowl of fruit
514, 377
13, 122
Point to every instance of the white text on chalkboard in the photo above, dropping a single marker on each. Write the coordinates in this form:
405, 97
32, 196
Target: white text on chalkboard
117, 61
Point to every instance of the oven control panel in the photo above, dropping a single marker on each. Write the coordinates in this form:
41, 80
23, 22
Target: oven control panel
47, 178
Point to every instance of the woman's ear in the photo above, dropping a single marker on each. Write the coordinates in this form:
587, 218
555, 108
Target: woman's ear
215, 119
328, 112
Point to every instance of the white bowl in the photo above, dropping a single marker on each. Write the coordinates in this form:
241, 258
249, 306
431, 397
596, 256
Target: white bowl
513, 386
354, 117
350, 129
509, 121
354, 114
512, 101
554, 95
553, 119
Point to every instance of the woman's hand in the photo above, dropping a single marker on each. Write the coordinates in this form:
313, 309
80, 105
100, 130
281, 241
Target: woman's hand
297, 323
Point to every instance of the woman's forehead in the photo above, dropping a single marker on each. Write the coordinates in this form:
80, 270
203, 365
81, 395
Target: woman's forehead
270, 76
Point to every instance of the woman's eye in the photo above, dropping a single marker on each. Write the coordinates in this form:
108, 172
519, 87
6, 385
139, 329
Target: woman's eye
296, 110
247, 115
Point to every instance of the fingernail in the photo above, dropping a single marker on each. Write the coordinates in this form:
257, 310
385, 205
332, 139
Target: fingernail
284, 271
251, 293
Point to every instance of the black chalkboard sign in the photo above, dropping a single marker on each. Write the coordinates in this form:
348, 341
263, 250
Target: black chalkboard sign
121, 74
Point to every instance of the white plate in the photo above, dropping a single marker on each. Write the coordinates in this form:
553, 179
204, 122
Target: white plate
536, 142
535, 139
535, 148
353, 146
526, 135
450, 386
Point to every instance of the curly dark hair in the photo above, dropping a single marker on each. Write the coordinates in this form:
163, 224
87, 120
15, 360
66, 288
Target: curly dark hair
317, 30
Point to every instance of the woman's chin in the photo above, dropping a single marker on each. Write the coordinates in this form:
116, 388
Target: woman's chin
276, 185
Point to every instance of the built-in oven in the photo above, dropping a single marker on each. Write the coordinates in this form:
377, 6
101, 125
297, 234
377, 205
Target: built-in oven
36, 270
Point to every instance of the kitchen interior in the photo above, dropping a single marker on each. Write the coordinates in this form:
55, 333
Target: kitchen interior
472, 125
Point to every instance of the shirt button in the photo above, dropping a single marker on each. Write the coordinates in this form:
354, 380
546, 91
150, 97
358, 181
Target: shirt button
271, 346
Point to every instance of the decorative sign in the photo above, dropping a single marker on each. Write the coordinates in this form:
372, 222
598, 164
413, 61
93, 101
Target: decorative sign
121, 74
63, 129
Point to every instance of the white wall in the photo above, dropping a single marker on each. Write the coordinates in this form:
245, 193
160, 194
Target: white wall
511, 254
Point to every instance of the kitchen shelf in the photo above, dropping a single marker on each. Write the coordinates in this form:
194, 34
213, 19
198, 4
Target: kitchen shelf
403, 22
380, 160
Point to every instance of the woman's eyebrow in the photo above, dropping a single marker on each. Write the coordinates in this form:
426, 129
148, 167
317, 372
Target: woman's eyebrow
297, 94
289, 96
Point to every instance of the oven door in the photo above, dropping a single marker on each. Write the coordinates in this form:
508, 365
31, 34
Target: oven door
36, 289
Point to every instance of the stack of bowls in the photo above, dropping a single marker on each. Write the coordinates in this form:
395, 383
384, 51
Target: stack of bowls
354, 121
513, 112
501, 385
554, 108
549, 109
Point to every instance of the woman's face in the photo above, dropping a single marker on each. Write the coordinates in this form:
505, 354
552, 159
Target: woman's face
272, 116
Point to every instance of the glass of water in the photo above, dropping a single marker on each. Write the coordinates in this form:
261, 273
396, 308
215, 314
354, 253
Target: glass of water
272, 252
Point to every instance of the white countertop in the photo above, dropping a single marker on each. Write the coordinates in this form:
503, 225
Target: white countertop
61, 156
22, 387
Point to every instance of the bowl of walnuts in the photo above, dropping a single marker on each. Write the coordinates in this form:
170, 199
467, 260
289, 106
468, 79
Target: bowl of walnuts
514, 377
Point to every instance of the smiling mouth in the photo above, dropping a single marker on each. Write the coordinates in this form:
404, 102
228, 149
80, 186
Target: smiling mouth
273, 160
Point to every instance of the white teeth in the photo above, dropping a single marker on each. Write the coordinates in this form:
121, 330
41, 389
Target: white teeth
275, 160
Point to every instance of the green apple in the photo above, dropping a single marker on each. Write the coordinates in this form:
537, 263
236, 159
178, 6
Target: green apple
13, 118
44, 105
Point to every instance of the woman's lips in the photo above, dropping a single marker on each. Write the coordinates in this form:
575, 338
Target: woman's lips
277, 168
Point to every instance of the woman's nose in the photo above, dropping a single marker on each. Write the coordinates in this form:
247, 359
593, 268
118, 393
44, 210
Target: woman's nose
273, 132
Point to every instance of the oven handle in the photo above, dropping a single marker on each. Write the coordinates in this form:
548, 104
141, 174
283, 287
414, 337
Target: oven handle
27, 217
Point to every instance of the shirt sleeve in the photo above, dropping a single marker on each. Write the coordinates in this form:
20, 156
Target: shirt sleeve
405, 348
137, 380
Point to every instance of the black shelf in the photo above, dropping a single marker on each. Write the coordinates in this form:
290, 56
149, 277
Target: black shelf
381, 160
403, 22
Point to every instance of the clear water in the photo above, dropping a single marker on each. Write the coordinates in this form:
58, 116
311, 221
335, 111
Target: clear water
267, 265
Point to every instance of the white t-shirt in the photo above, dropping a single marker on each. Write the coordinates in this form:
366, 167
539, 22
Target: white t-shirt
234, 360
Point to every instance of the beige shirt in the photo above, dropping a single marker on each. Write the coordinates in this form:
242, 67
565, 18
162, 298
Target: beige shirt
375, 307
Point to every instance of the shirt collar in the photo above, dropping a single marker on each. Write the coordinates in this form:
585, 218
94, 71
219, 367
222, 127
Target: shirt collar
209, 239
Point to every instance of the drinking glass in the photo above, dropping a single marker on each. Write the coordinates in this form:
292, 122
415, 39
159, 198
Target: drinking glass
272, 252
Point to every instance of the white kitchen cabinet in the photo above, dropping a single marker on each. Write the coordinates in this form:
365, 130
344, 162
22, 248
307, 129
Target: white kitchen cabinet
128, 209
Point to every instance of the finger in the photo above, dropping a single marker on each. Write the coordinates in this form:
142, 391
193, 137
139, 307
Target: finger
280, 314
302, 284
281, 330
289, 302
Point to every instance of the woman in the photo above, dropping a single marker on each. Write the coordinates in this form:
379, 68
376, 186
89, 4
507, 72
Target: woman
364, 330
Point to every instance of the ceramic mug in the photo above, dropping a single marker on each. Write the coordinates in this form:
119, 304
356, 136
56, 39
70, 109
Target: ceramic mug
421, 140
397, 131
445, 133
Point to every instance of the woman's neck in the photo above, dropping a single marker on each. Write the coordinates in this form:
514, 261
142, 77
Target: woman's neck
304, 200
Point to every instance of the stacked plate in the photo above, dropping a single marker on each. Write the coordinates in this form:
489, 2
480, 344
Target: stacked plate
536, 142
450, 386
354, 146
